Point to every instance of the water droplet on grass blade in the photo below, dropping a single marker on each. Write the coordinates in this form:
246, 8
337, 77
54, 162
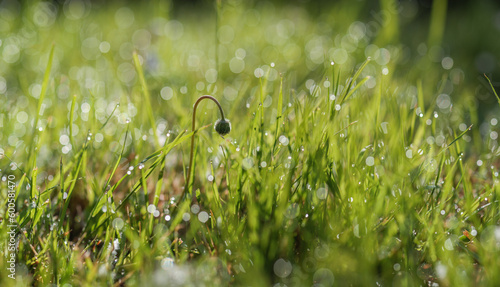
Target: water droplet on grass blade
448, 244
355, 230
384, 126
409, 153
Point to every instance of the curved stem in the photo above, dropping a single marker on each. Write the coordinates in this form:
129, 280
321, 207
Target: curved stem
188, 177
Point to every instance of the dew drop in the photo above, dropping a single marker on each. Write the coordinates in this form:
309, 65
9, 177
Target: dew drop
118, 223
203, 216
284, 140
151, 208
195, 208
321, 193
282, 268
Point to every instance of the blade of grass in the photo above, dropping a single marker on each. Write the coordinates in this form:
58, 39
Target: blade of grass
354, 78
178, 140
71, 117
62, 214
149, 108
109, 117
45, 84
358, 85
110, 176
492, 88
159, 184
456, 139
278, 116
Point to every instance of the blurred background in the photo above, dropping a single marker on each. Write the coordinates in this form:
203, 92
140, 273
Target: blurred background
468, 35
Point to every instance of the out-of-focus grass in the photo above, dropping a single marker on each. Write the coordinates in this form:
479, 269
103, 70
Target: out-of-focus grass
357, 156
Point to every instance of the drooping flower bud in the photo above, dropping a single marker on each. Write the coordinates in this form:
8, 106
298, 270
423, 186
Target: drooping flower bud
223, 127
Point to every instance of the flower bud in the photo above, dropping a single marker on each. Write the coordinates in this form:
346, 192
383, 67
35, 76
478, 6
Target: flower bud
223, 127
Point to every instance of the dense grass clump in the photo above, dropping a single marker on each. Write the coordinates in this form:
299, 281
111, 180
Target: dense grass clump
355, 157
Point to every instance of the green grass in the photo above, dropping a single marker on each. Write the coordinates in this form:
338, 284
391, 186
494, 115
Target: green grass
378, 169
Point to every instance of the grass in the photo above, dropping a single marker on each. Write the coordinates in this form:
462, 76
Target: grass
345, 165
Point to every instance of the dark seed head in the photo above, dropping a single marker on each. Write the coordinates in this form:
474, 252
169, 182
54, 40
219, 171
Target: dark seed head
222, 127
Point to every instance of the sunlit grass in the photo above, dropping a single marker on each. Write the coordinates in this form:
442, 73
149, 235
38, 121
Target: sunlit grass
345, 164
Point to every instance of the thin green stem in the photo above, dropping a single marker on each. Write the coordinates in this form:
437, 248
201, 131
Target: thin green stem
191, 153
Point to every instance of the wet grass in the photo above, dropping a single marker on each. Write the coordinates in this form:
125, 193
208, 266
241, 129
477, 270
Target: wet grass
347, 163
